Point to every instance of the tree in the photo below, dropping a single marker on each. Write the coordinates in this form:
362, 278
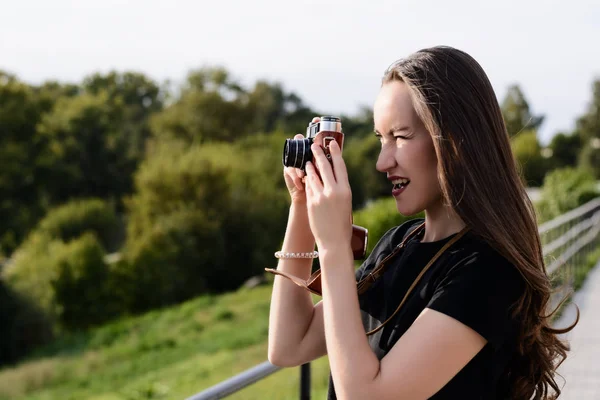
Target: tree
527, 151
588, 129
137, 96
517, 114
23, 199
565, 150
86, 153
212, 106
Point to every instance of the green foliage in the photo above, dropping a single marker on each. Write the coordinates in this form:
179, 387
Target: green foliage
172, 261
588, 130
378, 217
60, 268
23, 326
33, 270
204, 218
360, 156
212, 106
565, 189
21, 182
527, 152
81, 287
72, 219
589, 158
87, 153
138, 97
565, 150
516, 112
69, 282
588, 124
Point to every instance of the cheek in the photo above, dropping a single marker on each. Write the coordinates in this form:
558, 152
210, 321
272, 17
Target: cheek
425, 161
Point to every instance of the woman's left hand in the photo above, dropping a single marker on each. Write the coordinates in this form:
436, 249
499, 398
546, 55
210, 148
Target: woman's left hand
329, 199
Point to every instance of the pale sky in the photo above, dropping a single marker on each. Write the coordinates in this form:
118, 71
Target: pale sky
329, 52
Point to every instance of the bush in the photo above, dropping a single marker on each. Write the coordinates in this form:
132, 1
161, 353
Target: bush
69, 282
360, 156
23, 326
71, 220
81, 287
533, 167
173, 261
565, 189
378, 217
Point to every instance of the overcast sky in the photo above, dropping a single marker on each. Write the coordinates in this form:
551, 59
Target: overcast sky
329, 52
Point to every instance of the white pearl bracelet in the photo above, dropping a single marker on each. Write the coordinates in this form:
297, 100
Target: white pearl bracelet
281, 254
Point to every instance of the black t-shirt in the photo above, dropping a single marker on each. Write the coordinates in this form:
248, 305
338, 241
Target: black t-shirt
470, 282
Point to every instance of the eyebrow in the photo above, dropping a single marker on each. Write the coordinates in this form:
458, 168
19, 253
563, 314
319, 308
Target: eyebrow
396, 129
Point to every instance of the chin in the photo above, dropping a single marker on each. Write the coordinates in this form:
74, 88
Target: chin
407, 209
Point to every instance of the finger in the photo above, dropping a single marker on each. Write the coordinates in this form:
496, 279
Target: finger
315, 119
299, 184
323, 165
296, 180
308, 189
339, 166
312, 179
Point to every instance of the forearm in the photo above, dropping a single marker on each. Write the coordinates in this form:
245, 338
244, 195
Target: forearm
291, 306
353, 364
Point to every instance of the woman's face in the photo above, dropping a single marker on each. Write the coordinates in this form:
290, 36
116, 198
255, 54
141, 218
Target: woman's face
407, 154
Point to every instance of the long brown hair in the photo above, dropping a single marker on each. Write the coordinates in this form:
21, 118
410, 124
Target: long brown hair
479, 178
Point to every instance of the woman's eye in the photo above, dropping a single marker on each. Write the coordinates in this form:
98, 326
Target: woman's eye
400, 137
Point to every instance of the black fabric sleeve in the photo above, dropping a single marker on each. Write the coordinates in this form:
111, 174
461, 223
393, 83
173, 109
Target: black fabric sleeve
480, 291
385, 246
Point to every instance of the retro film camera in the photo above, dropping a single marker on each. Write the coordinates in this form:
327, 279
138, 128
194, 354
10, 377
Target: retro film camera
297, 152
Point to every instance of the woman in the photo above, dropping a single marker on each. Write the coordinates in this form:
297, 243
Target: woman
473, 325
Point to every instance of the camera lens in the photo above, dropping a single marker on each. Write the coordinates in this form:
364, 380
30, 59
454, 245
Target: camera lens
296, 152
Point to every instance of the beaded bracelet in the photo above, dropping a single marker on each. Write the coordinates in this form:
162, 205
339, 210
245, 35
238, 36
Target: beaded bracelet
281, 254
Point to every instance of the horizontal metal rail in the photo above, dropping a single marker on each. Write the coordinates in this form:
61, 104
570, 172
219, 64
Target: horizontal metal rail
237, 382
575, 247
570, 234
568, 216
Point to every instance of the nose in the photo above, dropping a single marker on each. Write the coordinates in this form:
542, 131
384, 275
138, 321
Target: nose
386, 160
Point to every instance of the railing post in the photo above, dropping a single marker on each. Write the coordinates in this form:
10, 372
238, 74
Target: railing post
305, 381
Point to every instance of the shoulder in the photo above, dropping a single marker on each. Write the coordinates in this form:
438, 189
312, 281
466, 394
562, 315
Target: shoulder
475, 256
480, 288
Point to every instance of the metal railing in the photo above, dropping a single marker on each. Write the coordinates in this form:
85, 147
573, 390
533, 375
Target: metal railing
566, 243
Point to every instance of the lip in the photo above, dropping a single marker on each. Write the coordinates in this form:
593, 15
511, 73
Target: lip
394, 177
397, 192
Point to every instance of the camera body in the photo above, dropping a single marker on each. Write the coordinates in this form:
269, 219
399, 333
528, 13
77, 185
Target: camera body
297, 152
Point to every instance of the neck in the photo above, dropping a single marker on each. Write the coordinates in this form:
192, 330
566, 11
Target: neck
440, 222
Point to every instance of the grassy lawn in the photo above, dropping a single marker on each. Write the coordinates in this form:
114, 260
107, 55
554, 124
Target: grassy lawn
164, 354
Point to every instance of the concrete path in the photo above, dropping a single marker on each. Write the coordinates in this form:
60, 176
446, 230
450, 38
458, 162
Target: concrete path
581, 369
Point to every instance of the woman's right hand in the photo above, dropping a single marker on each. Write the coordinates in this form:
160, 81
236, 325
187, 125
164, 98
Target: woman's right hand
294, 181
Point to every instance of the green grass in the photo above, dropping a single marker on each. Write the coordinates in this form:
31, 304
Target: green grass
164, 354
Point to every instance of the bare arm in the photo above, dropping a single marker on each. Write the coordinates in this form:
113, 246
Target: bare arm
296, 333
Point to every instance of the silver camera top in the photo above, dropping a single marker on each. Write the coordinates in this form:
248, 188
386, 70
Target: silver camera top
326, 123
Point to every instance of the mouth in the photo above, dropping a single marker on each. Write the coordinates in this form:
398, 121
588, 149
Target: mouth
399, 184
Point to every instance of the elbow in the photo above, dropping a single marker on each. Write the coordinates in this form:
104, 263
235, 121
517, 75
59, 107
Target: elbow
279, 358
